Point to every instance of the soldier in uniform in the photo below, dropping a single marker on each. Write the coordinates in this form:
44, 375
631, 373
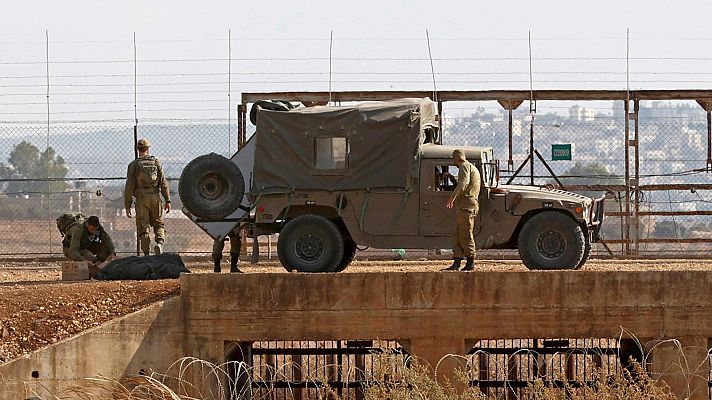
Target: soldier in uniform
146, 182
235, 244
88, 241
465, 199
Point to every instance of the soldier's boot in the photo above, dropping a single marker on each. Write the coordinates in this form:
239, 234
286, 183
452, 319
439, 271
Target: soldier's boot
233, 266
158, 248
455, 265
469, 264
217, 266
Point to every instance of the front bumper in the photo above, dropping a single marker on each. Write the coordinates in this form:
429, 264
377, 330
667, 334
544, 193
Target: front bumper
596, 218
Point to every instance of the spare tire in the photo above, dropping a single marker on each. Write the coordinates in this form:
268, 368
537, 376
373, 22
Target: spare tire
211, 187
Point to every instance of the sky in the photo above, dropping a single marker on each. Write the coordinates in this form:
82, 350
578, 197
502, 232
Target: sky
184, 55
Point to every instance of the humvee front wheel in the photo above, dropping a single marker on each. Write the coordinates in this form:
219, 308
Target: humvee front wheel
310, 243
551, 240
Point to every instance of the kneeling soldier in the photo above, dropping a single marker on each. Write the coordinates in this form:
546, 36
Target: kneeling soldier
88, 241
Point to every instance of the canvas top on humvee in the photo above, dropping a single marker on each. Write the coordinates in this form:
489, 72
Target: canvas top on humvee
330, 178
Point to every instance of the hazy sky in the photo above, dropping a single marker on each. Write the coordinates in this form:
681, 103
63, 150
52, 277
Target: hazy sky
182, 50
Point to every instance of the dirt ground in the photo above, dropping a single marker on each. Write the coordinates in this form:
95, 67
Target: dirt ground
37, 308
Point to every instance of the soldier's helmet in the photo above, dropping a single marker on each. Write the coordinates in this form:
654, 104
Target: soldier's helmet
143, 143
458, 155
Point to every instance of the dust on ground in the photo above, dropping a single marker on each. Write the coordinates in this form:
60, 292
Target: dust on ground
37, 308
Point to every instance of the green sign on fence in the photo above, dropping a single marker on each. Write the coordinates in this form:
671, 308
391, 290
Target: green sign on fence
561, 152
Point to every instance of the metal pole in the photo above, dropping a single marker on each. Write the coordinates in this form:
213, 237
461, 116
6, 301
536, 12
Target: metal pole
636, 181
49, 183
510, 161
135, 129
709, 139
331, 46
531, 114
229, 90
626, 145
241, 125
627, 142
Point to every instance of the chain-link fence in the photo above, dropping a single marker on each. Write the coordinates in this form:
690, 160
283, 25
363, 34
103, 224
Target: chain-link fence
675, 218
83, 168
47, 170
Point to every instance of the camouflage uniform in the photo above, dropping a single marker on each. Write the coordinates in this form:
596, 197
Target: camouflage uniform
144, 181
219, 245
80, 245
465, 197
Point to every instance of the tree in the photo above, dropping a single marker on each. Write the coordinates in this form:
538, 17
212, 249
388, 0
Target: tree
27, 163
590, 174
598, 174
668, 229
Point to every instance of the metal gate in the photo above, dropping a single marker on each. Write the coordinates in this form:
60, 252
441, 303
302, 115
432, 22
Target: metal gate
299, 370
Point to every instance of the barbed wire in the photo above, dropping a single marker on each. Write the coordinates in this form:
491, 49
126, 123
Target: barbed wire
361, 39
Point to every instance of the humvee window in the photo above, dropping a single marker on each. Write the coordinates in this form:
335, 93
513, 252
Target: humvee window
331, 153
445, 178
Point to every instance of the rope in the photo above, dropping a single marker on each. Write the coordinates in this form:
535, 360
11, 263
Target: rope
363, 209
401, 207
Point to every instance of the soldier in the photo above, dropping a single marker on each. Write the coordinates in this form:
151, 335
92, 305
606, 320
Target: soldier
144, 181
235, 244
88, 241
466, 195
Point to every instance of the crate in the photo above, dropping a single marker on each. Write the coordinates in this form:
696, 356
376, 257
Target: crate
75, 270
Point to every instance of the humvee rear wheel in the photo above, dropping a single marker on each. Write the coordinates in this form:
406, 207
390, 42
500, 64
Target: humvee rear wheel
310, 243
551, 240
211, 187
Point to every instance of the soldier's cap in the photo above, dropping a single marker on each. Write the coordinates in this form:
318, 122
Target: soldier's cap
458, 154
143, 143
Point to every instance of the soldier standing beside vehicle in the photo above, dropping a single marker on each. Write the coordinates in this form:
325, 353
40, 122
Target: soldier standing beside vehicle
146, 182
465, 199
87, 240
235, 244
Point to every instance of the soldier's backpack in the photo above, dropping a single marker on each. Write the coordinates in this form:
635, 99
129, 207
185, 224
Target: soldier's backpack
148, 171
68, 219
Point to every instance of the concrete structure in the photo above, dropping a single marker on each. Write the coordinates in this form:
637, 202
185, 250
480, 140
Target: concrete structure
430, 314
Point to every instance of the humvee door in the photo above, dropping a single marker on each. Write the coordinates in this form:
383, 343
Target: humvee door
438, 179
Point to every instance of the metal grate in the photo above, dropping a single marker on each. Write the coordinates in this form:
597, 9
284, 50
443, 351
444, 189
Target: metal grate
503, 368
296, 370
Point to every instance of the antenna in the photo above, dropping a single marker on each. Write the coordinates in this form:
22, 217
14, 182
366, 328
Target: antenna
331, 45
532, 151
532, 108
432, 69
627, 64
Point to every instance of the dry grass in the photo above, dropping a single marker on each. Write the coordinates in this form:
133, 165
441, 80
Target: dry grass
210, 381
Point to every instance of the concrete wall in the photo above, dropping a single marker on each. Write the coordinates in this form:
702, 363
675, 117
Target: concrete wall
435, 314
150, 339
431, 314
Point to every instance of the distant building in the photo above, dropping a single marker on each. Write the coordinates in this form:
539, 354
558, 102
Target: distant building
581, 114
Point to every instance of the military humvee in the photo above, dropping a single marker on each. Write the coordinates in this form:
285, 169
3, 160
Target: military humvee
330, 178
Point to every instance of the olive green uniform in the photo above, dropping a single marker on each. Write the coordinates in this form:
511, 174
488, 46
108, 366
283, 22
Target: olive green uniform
146, 182
80, 245
219, 245
466, 195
